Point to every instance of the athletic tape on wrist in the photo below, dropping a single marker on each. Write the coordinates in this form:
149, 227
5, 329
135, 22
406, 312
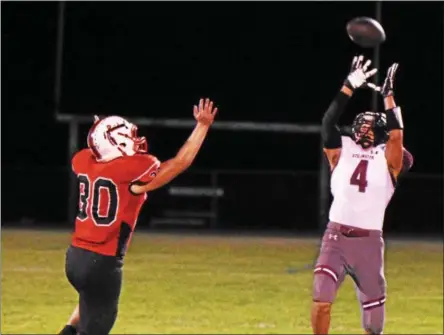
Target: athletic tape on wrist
394, 119
348, 84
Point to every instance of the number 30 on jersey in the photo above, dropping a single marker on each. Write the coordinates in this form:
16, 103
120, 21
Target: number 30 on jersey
89, 197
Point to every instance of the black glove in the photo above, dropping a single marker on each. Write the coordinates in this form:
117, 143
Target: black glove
387, 87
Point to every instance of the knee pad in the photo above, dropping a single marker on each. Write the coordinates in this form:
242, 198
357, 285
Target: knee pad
325, 285
373, 314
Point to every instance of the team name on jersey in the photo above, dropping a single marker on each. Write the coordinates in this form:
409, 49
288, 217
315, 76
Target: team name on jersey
363, 156
371, 155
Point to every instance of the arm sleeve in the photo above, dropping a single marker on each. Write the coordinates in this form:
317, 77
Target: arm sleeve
331, 134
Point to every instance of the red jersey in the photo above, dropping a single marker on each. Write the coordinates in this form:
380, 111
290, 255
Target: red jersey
108, 211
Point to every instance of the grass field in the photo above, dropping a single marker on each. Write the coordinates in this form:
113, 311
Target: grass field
197, 285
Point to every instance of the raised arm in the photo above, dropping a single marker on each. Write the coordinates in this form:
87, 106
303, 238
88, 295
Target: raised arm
331, 134
204, 115
394, 151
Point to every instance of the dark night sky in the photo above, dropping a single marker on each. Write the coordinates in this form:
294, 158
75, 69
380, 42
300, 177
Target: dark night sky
264, 61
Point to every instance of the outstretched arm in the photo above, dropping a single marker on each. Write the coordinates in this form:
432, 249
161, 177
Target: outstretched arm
170, 169
331, 134
394, 152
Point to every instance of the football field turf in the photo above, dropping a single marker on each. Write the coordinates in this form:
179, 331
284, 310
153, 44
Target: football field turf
198, 285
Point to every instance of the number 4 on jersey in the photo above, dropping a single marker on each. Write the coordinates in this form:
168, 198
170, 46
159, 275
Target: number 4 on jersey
359, 176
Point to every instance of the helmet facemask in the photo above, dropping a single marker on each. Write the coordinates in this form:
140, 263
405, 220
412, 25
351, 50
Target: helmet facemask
369, 129
114, 137
124, 136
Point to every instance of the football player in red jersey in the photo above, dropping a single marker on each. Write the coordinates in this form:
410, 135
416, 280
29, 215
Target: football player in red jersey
114, 174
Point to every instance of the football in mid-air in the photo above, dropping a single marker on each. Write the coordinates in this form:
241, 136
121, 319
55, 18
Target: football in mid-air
365, 32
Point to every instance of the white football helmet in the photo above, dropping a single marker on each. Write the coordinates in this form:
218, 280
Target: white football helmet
113, 137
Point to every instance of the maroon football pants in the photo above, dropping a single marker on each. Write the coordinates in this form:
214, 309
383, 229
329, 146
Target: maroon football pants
360, 254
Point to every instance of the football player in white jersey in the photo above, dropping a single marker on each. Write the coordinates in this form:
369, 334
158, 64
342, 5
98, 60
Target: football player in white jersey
365, 168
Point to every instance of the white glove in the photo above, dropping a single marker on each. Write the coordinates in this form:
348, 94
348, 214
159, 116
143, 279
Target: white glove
358, 74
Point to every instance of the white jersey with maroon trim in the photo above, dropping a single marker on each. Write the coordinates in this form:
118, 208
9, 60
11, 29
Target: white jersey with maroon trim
361, 186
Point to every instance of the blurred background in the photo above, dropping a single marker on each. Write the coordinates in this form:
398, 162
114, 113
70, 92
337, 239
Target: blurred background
263, 63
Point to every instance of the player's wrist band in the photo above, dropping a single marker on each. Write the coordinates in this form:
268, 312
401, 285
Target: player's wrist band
390, 93
348, 85
394, 119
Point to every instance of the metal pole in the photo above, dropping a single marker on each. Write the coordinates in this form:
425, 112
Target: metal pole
324, 190
214, 201
376, 58
72, 149
59, 57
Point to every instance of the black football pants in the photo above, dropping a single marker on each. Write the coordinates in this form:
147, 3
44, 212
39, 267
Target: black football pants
98, 280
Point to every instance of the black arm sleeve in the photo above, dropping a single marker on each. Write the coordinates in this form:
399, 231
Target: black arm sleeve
331, 134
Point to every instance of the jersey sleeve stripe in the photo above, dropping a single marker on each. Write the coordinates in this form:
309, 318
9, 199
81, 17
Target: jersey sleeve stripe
147, 170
